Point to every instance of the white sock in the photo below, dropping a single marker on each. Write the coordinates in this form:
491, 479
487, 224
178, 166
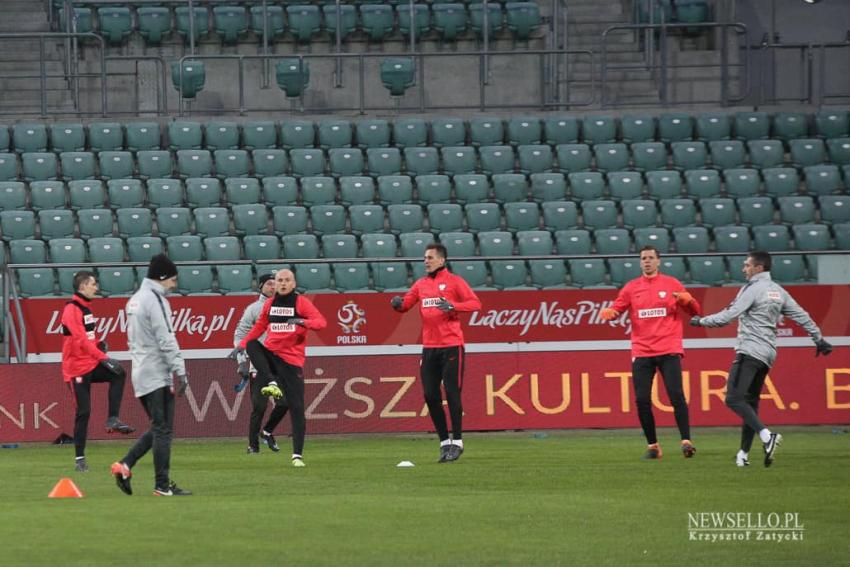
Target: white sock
266, 433
764, 435
743, 454
458, 442
445, 442
79, 458
296, 456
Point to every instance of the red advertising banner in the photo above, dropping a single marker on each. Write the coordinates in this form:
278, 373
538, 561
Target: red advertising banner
507, 390
207, 322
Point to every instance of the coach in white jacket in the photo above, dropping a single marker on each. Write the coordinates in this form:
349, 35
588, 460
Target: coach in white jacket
156, 359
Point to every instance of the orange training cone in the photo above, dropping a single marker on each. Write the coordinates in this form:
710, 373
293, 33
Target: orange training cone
65, 488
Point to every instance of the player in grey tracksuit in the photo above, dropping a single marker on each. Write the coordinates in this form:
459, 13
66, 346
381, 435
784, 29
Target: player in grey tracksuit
266, 285
758, 307
156, 359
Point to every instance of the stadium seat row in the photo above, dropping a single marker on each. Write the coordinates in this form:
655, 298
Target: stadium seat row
303, 21
551, 129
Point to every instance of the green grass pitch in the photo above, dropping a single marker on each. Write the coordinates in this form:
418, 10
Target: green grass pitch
559, 498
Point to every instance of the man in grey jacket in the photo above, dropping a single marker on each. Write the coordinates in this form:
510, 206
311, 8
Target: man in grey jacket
156, 359
758, 307
266, 285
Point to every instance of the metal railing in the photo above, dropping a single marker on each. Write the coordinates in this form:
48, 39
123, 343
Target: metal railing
813, 71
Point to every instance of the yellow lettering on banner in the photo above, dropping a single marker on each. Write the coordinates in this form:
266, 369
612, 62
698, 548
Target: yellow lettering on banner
624, 388
706, 391
831, 388
585, 397
329, 384
772, 393
492, 394
565, 395
406, 383
349, 391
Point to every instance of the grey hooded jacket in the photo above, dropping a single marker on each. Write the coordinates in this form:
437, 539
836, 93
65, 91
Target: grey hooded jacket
246, 323
758, 307
154, 350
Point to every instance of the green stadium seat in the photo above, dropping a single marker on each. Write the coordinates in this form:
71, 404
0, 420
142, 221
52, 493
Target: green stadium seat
486, 131
599, 130
378, 245
811, 236
707, 270
559, 215
522, 216
250, 219
123, 193
13, 196
221, 136
154, 23
383, 161
458, 244
410, 132
649, 156
289, 220
560, 129
29, 137
702, 183
625, 185
548, 187
842, 236
230, 23
788, 269
574, 157
678, 212
173, 221
106, 137
366, 218
67, 137
5, 138
612, 241
752, 125
421, 161
510, 187
523, 19
115, 23
766, 153
822, 179
790, 125
269, 163
405, 218
280, 191
755, 210
395, 190
741, 182
413, 243
230, 163
305, 21
43, 195
421, 19
771, 237
639, 213
222, 248
212, 221
356, 190
143, 136
839, 151
77, 165
471, 188
35, 282
389, 276
535, 159
374, 133
27, 251
262, 246
318, 191
611, 157
376, 20
525, 131
116, 165
297, 134
335, 134
67, 251
449, 20
674, 267
829, 124
652, 236
717, 211
8, 167
445, 217
314, 278
339, 246
548, 274
534, 243
275, 26
327, 219
300, 246
732, 239
834, 209
185, 135
664, 184
260, 135
353, 278
143, 248
235, 279
573, 242
95, 223
476, 19
201, 22
674, 128
780, 181
638, 128
586, 185
510, 274
56, 223
458, 160
727, 154
796, 210
154, 164
106, 250
448, 132
691, 239
194, 280
623, 270
587, 273
806, 152
307, 162
496, 243
194, 163
689, 155
37, 166
82, 20
134, 221
203, 192
87, 194
713, 127
483, 217
599, 214
345, 161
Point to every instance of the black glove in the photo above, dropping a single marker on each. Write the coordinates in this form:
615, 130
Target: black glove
244, 368
445, 305
822, 347
113, 366
696, 321
182, 384
102, 346
241, 384
235, 353
296, 321
397, 302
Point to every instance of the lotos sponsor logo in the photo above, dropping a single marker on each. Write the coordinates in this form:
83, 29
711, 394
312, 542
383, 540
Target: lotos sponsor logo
652, 313
547, 314
182, 321
431, 301
281, 328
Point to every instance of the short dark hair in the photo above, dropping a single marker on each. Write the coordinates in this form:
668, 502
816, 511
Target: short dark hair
441, 250
653, 248
761, 258
82, 277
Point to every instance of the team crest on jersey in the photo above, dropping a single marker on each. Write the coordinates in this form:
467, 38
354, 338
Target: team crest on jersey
662, 294
441, 287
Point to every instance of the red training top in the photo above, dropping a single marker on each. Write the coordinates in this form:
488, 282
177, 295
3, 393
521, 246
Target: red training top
284, 339
79, 345
441, 328
656, 325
